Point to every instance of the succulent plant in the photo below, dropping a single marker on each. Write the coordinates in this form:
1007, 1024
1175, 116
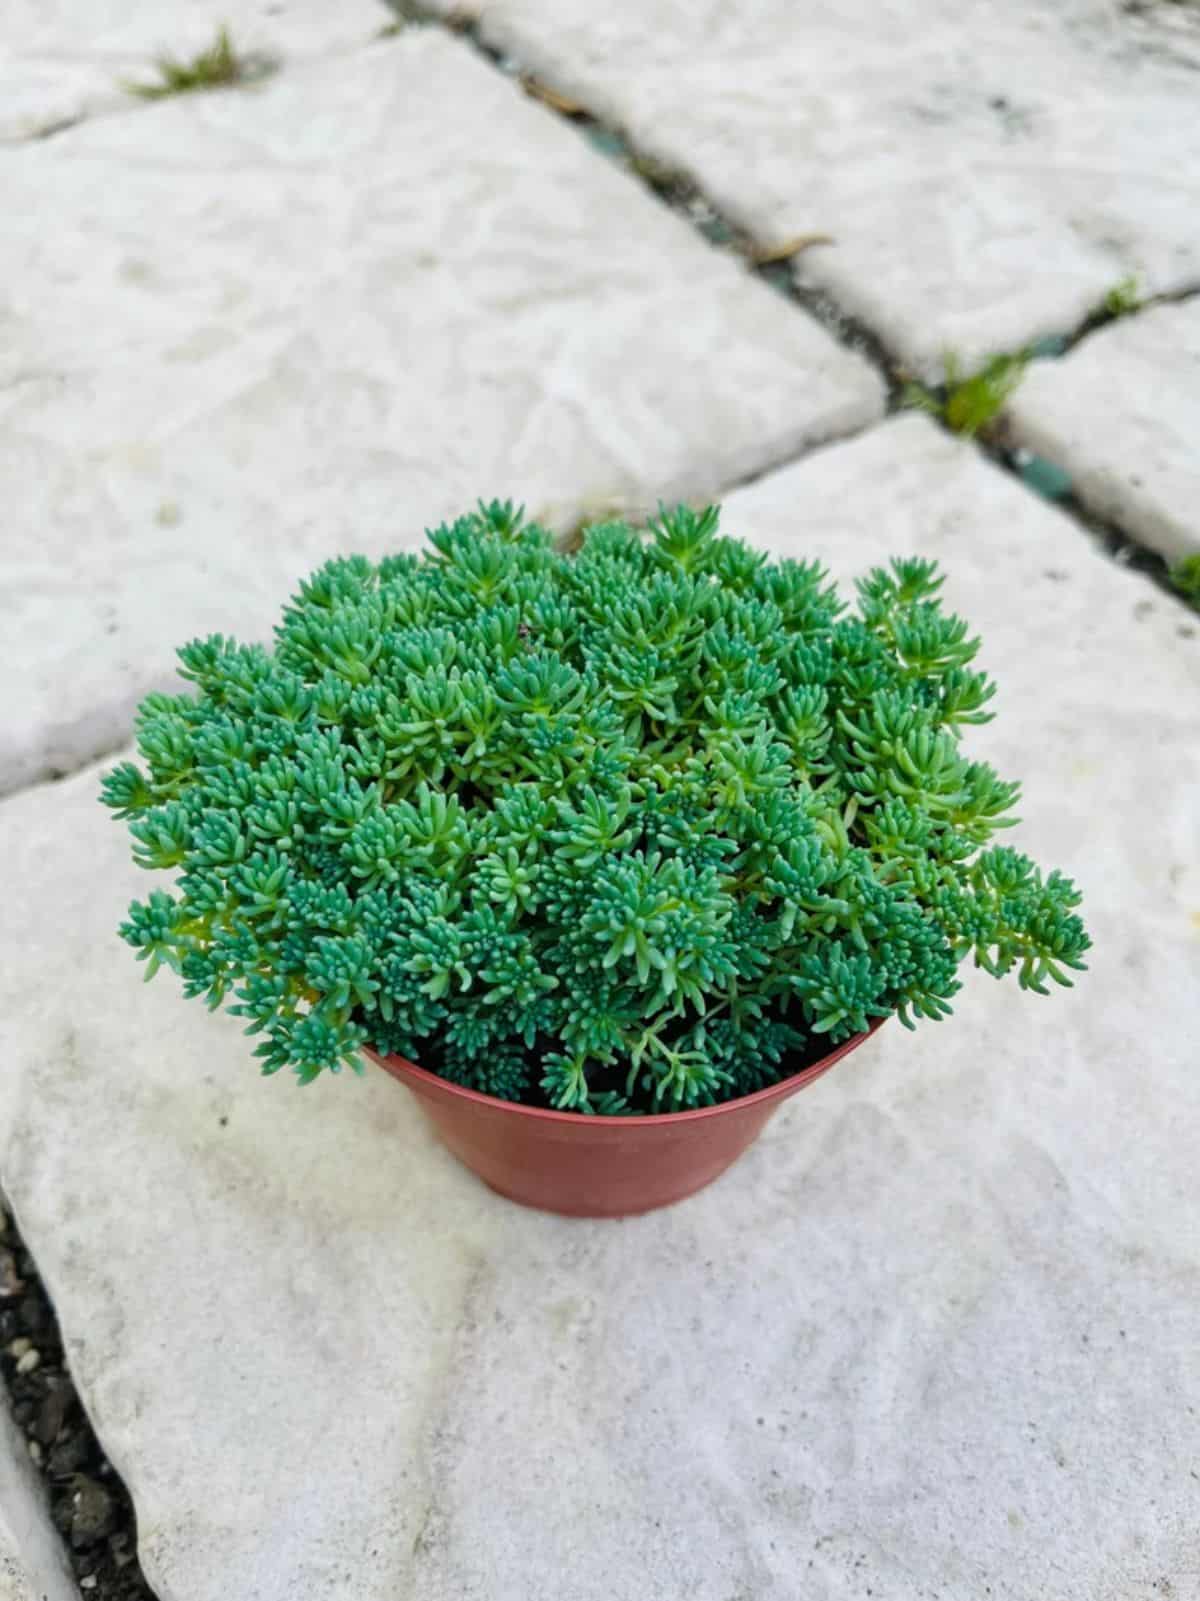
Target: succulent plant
639, 829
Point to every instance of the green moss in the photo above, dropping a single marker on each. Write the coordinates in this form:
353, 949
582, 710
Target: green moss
626, 831
1122, 299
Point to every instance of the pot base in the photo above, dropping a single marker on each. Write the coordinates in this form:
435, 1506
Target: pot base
611, 1213
583, 1166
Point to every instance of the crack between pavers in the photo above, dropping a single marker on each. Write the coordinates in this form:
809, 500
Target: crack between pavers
55, 773
1100, 317
684, 195
87, 1502
681, 193
51, 128
102, 113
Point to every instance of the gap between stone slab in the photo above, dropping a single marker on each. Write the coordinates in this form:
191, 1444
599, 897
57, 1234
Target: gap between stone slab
121, 108
89, 1506
53, 128
1053, 347
684, 196
57, 775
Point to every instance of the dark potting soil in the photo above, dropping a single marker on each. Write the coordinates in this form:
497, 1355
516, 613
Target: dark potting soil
89, 1505
613, 1078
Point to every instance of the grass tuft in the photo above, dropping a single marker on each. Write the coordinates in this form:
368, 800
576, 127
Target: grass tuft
218, 67
1185, 575
969, 403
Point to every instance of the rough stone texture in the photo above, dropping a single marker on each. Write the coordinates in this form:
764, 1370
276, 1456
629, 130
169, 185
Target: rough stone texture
987, 172
1167, 28
1122, 414
68, 59
936, 1336
248, 332
33, 1566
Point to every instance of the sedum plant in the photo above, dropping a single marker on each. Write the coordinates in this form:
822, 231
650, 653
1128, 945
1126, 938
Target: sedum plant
640, 829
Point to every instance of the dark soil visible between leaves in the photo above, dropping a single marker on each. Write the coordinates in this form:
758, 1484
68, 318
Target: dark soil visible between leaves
89, 1505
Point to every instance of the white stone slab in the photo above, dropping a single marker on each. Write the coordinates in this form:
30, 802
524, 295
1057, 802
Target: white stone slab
987, 171
245, 333
63, 60
936, 1335
33, 1565
1122, 414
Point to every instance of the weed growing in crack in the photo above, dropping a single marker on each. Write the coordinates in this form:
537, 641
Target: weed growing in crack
218, 67
1122, 299
411, 13
1185, 576
968, 404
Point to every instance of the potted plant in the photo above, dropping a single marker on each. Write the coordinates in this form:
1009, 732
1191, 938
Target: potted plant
621, 847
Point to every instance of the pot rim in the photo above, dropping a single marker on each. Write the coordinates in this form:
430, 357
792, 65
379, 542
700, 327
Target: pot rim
692, 1114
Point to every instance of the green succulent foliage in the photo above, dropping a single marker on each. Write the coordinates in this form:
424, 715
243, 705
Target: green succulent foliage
635, 830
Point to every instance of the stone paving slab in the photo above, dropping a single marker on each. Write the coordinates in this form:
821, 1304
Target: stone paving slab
987, 172
1121, 414
936, 1336
249, 331
70, 59
33, 1566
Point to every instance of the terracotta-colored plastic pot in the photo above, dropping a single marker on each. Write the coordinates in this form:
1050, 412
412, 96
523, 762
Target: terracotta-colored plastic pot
596, 1166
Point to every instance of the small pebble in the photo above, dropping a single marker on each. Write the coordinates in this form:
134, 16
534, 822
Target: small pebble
35, 1451
68, 1455
29, 1361
33, 1314
19, 1346
1050, 345
717, 230
52, 1413
11, 1282
89, 1583
93, 1513
609, 144
1049, 481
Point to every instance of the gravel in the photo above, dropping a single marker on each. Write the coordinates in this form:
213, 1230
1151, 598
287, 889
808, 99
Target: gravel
89, 1505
